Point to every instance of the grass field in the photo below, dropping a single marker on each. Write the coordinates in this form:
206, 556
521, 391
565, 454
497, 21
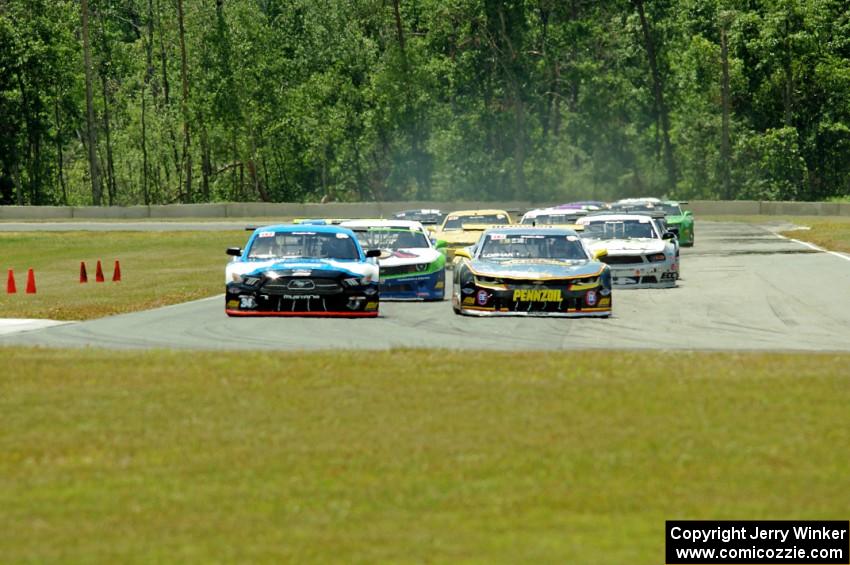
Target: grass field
158, 268
408, 456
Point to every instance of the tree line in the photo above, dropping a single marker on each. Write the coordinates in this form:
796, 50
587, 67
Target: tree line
116, 102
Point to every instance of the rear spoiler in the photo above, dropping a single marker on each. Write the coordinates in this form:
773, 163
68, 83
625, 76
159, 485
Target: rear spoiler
574, 227
321, 221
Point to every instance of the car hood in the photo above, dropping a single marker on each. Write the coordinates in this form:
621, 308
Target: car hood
535, 269
459, 237
305, 266
410, 257
628, 246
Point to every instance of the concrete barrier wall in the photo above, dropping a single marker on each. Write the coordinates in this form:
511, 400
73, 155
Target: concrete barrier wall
724, 207
378, 209
35, 212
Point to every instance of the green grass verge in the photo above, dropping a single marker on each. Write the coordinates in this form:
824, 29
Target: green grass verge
158, 268
408, 456
831, 232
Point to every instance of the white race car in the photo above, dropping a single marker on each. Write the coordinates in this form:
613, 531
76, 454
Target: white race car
640, 253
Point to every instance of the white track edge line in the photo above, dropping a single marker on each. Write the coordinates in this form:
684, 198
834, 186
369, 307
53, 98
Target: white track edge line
812, 246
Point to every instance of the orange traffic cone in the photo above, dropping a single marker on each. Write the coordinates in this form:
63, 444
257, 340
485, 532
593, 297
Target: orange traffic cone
30, 282
98, 275
10, 283
84, 276
116, 273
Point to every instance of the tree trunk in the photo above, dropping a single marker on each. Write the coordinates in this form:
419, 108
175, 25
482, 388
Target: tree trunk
206, 163
788, 90
662, 113
94, 170
145, 88
60, 161
166, 95
184, 104
725, 153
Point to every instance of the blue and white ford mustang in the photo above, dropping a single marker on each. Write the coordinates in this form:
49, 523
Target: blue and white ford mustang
302, 270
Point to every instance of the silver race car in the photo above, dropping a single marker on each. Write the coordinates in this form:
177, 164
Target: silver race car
640, 253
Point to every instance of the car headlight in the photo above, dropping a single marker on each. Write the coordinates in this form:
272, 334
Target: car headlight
657, 257
245, 279
355, 281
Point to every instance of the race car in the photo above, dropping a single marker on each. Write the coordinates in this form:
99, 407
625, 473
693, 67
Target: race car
639, 252
320, 221
680, 222
562, 217
412, 267
589, 205
521, 271
463, 228
302, 270
426, 216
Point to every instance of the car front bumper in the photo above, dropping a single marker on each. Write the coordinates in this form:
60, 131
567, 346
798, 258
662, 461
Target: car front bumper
533, 300
431, 286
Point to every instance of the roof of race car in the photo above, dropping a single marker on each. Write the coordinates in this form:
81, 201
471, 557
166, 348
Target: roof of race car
398, 224
517, 230
419, 211
646, 199
555, 212
312, 228
615, 217
477, 212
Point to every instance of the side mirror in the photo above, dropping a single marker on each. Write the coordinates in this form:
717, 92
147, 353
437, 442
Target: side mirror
688, 213
668, 235
441, 244
373, 253
600, 253
235, 251
464, 253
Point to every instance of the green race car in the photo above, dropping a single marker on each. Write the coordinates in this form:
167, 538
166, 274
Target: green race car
680, 222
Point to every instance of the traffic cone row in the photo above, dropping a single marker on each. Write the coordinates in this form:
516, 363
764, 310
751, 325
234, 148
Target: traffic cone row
12, 288
98, 274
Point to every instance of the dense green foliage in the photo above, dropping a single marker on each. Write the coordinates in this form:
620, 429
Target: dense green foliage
445, 99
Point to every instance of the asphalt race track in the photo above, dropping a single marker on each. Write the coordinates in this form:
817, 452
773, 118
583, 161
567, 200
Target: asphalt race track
743, 288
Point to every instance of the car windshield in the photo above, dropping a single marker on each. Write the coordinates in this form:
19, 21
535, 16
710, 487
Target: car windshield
551, 219
392, 239
619, 229
670, 209
532, 246
457, 222
307, 244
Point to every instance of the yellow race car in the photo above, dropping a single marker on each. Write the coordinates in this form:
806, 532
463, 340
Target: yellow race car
463, 228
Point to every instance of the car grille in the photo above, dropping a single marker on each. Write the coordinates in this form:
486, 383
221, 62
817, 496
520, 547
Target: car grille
397, 287
401, 270
301, 286
623, 259
568, 303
